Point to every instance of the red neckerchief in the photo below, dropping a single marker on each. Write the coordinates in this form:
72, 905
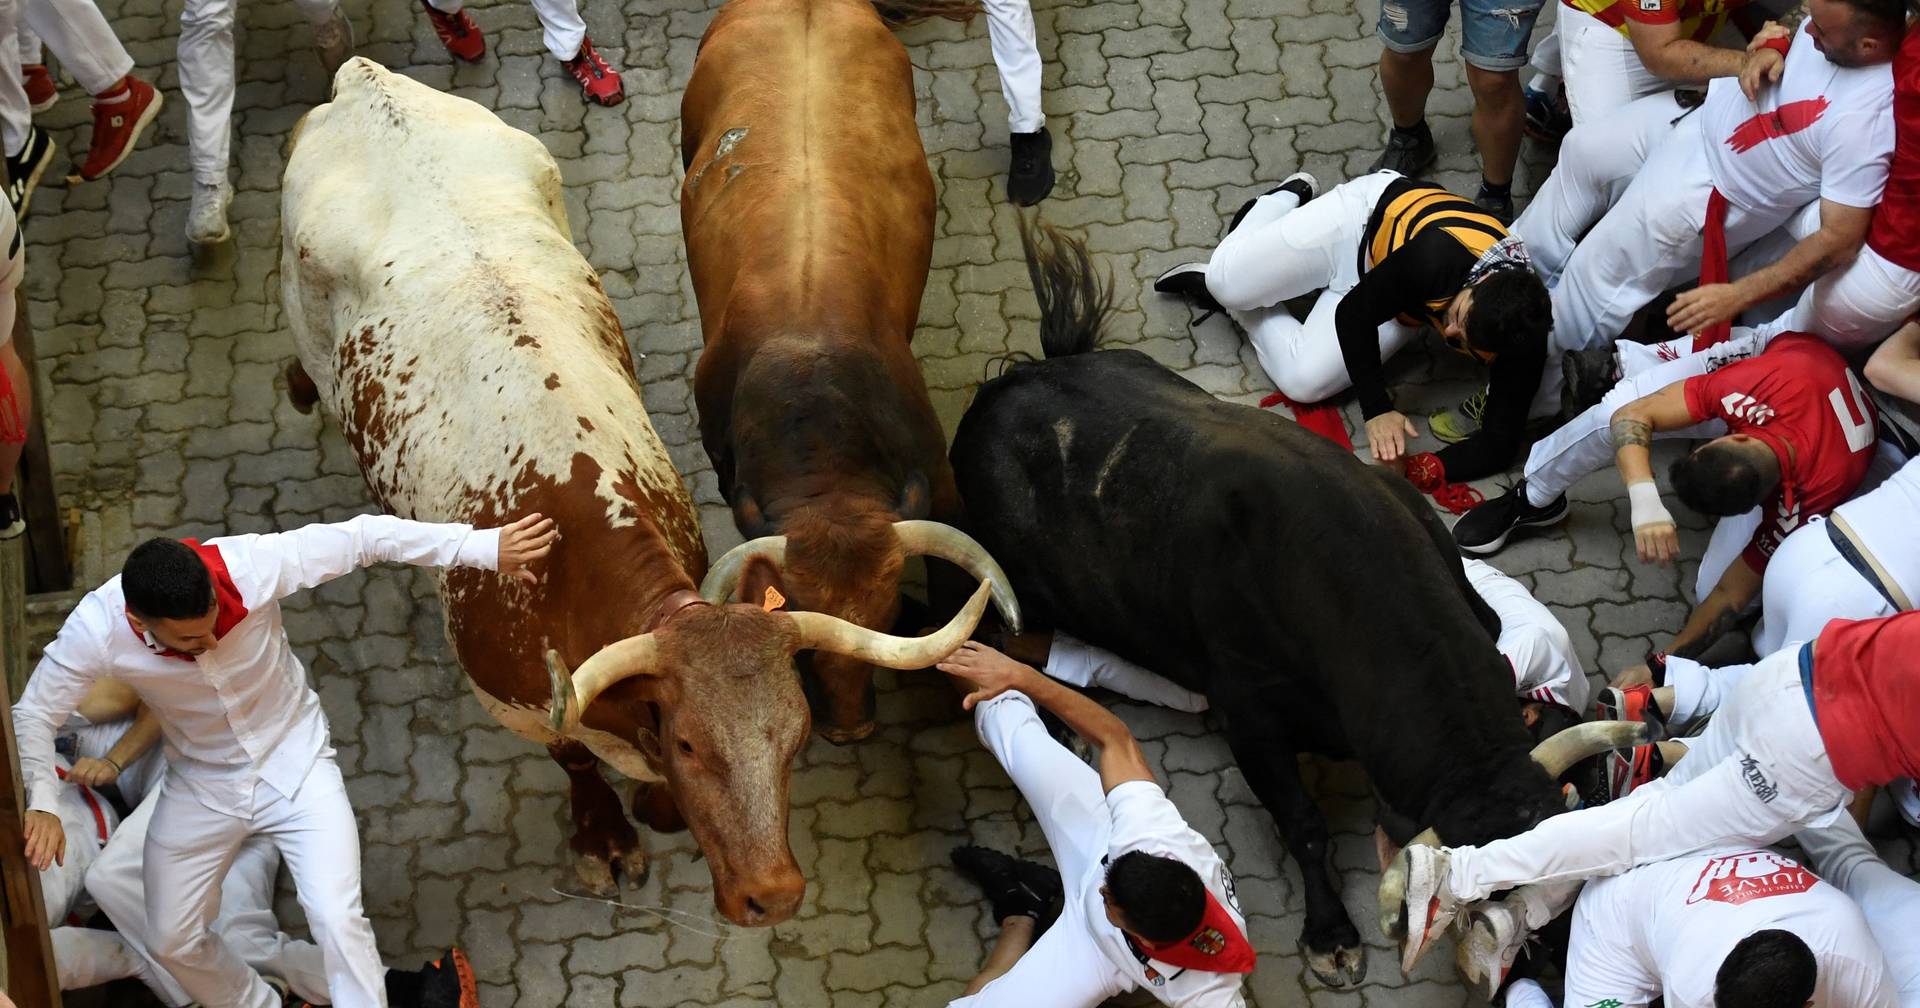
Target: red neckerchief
1216, 946
232, 609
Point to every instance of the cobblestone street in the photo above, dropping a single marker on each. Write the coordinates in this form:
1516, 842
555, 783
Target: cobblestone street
160, 383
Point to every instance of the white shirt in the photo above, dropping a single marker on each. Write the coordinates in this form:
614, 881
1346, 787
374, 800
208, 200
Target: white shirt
1144, 820
1824, 131
241, 714
1533, 640
1664, 929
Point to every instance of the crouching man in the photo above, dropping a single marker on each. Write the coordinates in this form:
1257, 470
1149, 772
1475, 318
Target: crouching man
1147, 901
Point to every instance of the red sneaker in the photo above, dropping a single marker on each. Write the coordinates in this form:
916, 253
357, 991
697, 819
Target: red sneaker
1627, 769
1632, 703
598, 81
120, 115
42, 92
458, 33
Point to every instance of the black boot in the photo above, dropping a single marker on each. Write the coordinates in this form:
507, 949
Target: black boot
1030, 174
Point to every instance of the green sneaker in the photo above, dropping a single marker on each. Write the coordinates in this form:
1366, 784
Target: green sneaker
1461, 422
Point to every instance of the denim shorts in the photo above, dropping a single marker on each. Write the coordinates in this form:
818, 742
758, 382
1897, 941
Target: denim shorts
1494, 33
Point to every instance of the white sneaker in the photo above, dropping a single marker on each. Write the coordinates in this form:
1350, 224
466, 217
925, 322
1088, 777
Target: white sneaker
1429, 903
334, 40
1495, 933
207, 217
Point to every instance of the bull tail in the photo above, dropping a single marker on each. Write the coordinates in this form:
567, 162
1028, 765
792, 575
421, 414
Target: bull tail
1075, 302
900, 13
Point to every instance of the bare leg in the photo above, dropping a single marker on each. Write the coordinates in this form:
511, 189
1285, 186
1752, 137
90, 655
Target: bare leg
1016, 936
1498, 109
1407, 78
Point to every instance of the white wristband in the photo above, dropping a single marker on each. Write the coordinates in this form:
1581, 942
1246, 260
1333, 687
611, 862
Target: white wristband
1644, 496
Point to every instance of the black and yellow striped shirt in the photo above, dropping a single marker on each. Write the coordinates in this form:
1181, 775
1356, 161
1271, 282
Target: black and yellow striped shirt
1420, 243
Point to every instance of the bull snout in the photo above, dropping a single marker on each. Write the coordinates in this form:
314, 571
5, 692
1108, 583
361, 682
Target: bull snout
763, 902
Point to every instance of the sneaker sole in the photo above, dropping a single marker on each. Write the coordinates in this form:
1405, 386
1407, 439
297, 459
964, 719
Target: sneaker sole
1170, 271
139, 128
1497, 545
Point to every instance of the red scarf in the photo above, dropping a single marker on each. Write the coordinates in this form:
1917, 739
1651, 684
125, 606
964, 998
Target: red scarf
1216, 946
232, 609
1321, 418
1713, 266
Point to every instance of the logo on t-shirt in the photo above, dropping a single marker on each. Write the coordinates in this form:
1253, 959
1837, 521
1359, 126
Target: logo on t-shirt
1786, 120
1745, 408
1742, 878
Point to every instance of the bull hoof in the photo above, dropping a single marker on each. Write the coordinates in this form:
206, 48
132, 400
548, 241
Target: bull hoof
850, 734
602, 876
1342, 967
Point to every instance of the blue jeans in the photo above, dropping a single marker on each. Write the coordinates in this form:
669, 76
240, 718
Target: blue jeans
1494, 33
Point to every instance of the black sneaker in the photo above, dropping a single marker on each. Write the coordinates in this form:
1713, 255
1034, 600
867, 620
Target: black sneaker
12, 522
447, 982
1499, 204
1547, 119
24, 169
1589, 375
1188, 280
1409, 151
1485, 529
1030, 174
1015, 888
1300, 184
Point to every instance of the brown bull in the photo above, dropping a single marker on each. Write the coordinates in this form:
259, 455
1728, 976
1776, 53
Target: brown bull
808, 216
478, 371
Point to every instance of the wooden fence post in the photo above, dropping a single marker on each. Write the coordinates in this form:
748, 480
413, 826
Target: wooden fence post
30, 977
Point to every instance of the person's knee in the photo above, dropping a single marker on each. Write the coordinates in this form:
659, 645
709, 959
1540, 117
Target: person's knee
179, 942
1497, 86
1310, 385
1235, 289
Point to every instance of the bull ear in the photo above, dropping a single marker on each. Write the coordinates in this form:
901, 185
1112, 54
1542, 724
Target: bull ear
760, 582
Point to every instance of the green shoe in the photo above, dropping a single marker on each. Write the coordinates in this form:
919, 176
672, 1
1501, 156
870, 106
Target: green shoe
1462, 422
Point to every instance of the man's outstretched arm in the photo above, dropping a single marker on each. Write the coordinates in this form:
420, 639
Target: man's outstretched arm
1655, 536
991, 673
315, 554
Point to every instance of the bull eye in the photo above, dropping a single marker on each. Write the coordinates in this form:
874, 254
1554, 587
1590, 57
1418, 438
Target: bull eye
685, 747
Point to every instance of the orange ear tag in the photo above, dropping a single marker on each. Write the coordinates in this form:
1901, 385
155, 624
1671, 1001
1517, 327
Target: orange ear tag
773, 599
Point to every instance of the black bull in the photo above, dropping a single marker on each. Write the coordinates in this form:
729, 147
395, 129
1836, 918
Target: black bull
1316, 601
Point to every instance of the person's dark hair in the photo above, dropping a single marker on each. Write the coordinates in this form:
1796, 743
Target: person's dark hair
1162, 899
1888, 17
1510, 310
166, 579
1720, 478
1768, 969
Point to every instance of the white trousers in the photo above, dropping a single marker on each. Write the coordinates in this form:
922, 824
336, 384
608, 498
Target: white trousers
206, 78
245, 921
1854, 308
16, 116
1648, 242
1284, 250
1602, 72
1598, 161
188, 851
87, 957
1016, 53
1889, 900
560, 25
80, 36
1759, 773
1073, 660
1545, 60
1064, 968
1534, 642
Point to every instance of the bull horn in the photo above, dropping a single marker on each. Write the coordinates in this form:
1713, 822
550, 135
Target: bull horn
935, 539
1393, 887
832, 634
1558, 754
573, 692
724, 575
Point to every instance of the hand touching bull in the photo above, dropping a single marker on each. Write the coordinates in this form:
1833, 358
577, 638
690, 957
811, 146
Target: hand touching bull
525, 541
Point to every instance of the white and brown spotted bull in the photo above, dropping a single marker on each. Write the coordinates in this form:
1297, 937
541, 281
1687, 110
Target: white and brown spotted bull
479, 373
808, 216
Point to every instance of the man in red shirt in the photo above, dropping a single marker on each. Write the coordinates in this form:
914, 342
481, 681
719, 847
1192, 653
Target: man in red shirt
1807, 728
1792, 435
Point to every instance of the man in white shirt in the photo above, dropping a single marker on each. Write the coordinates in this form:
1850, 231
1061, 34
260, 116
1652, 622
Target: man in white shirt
1148, 902
195, 629
1729, 174
1889, 900
1734, 927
